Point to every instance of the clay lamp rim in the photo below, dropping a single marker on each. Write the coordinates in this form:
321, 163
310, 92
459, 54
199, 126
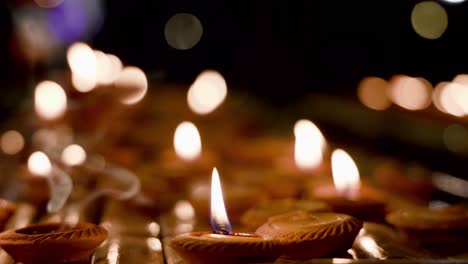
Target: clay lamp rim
51, 233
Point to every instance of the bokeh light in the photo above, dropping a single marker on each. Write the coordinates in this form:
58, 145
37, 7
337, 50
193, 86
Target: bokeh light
131, 84
372, 92
187, 141
207, 92
429, 19
83, 64
50, 100
184, 211
39, 164
11, 142
309, 145
183, 31
409, 92
73, 155
453, 99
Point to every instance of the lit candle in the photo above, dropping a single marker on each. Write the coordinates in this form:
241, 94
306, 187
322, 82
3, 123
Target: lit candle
223, 245
347, 194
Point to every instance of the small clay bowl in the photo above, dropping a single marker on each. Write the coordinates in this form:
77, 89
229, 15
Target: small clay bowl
306, 235
52, 242
210, 248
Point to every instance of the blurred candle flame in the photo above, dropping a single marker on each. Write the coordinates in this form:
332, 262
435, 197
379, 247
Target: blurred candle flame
12, 142
345, 174
132, 84
409, 92
83, 64
207, 92
50, 100
309, 145
39, 164
187, 141
219, 219
73, 155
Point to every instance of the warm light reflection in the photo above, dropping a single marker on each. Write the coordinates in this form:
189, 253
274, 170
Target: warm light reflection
429, 19
184, 211
437, 96
372, 92
11, 142
345, 174
50, 100
73, 155
309, 145
132, 84
219, 219
83, 64
207, 92
39, 164
410, 93
370, 245
187, 141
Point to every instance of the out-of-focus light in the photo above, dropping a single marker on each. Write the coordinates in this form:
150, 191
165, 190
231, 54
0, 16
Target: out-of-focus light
48, 3
187, 141
372, 92
11, 142
184, 211
76, 20
345, 174
453, 99
50, 100
454, 1
154, 228
429, 19
83, 64
154, 244
437, 96
456, 138
108, 67
461, 79
450, 184
410, 93
132, 84
183, 31
73, 155
39, 164
309, 145
207, 92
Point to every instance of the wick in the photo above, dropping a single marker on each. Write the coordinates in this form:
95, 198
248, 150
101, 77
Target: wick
222, 231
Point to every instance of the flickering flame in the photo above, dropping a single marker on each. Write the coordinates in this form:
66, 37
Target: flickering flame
83, 64
73, 155
132, 83
345, 174
207, 92
309, 145
50, 100
187, 141
39, 164
219, 219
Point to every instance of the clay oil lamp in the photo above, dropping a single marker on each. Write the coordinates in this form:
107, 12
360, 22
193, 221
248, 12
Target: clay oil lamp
53, 243
259, 214
347, 194
442, 230
310, 153
187, 160
306, 235
222, 245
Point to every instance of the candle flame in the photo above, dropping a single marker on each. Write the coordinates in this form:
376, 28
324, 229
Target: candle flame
345, 174
73, 155
132, 83
219, 219
39, 164
187, 141
50, 100
207, 92
83, 64
309, 145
